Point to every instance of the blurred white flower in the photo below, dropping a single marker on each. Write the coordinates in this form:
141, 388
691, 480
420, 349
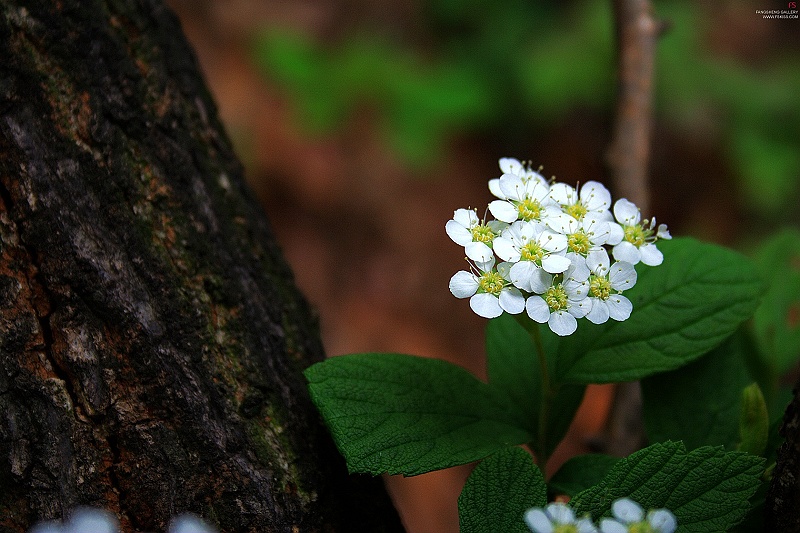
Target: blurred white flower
557, 518
629, 516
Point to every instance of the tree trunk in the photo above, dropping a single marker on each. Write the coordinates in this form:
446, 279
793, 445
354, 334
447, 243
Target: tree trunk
152, 337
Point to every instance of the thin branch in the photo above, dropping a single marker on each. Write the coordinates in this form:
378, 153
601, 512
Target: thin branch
629, 152
628, 158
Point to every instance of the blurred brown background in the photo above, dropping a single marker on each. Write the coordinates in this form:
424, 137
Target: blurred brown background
364, 124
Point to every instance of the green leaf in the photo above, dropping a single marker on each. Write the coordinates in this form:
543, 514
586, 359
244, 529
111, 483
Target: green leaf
707, 489
581, 472
700, 402
681, 309
514, 370
409, 415
777, 320
754, 421
499, 491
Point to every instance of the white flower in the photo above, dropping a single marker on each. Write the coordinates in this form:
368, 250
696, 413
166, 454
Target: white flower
636, 241
604, 285
531, 247
523, 198
489, 291
466, 229
81, 520
593, 200
552, 518
560, 306
629, 516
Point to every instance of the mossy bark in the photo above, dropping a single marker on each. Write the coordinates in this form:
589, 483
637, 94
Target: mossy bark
152, 339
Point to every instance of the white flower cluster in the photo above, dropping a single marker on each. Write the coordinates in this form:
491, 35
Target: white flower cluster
627, 516
551, 242
91, 520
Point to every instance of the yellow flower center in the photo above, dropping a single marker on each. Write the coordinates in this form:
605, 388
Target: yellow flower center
641, 527
556, 297
482, 233
532, 252
599, 287
579, 242
565, 528
576, 210
491, 282
529, 209
636, 235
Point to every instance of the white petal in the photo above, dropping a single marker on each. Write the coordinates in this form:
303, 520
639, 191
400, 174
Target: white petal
626, 212
576, 290
619, 307
651, 256
595, 196
560, 513
505, 249
478, 252
512, 186
512, 301
585, 526
463, 284
562, 323
599, 312
485, 266
486, 305
511, 165
627, 252
538, 522
622, 276
597, 261
189, 523
504, 269
607, 525
540, 281
458, 232
578, 270
85, 519
503, 210
552, 241
662, 232
537, 309
494, 188
563, 223
466, 217
662, 520
615, 233
520, 275
555, 264
580, 308
627, 511
563, 194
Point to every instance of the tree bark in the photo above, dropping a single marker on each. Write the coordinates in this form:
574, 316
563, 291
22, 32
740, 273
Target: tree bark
152, 336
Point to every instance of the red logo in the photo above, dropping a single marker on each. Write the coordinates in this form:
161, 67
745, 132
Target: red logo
792, 5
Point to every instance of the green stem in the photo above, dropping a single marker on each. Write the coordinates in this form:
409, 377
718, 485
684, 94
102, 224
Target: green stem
540, 446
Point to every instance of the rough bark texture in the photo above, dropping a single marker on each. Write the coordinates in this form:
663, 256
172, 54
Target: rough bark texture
782, 507
152, 339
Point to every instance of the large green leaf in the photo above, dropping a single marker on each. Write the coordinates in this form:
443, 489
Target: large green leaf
777, 320
514, 370
700, 402
409, 415
681, 309
708, 489
579, 473
499, 491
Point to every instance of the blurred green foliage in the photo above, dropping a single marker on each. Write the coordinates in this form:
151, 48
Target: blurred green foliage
506, 67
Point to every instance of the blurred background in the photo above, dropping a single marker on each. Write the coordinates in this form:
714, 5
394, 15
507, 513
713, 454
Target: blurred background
363, 124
